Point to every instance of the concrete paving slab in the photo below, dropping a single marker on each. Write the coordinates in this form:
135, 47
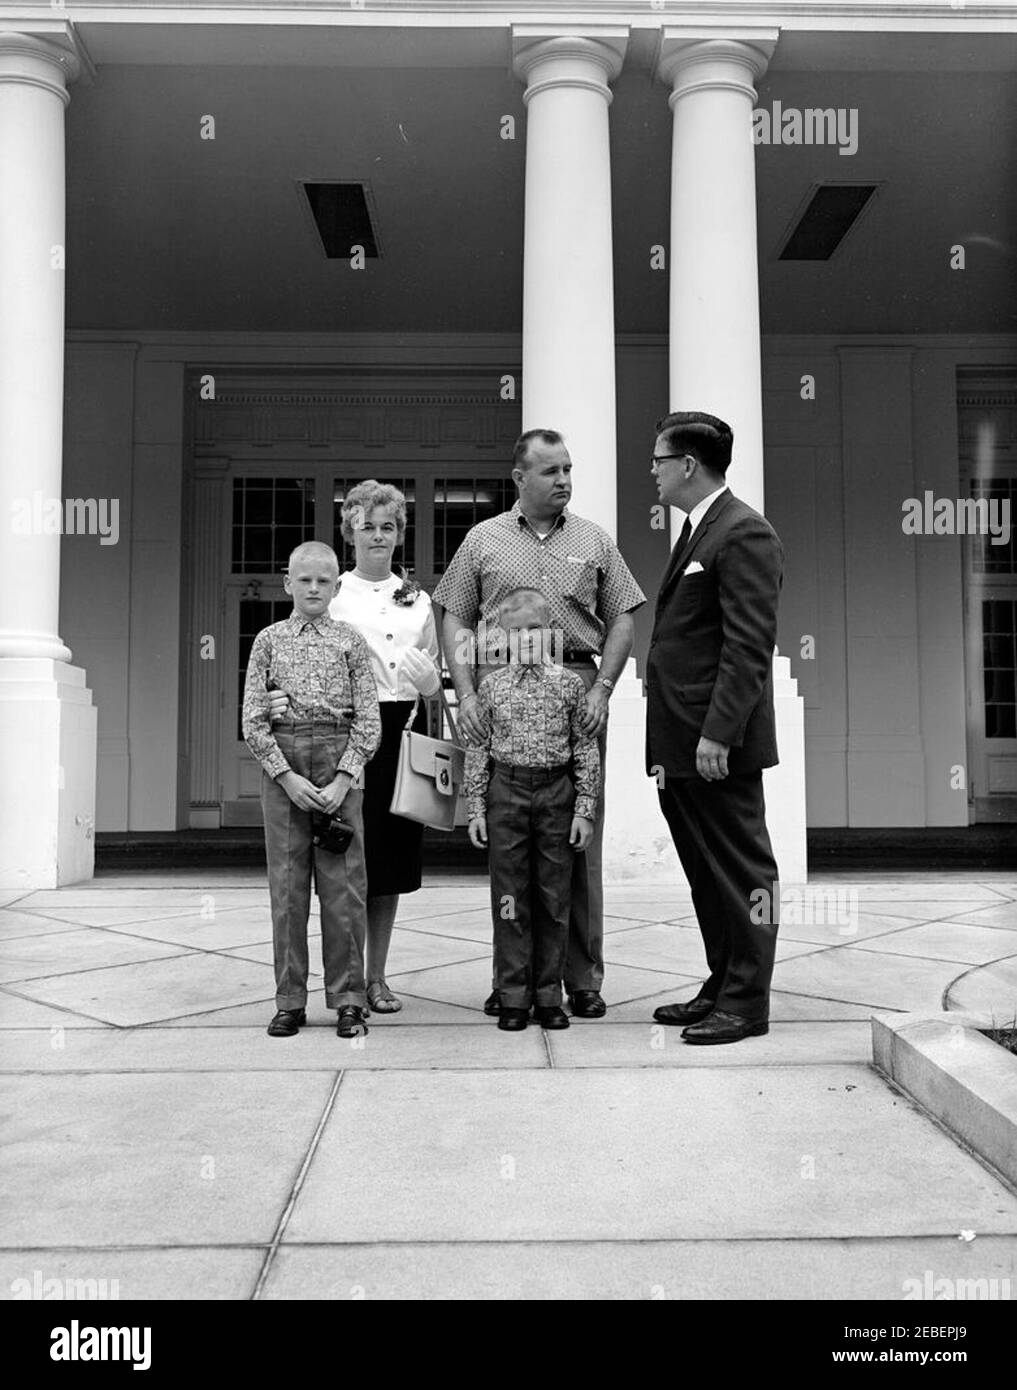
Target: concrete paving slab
949, 888
106, 916
474, 925
314, 1048
14, 924
226, 930
157, 989
664, 1153
126, 892
650, 1044
424, 905
951, 941
918, 909
670, 947
988, 989
868, 977
65, 953
654, 1270
1003, 915
661, 909
16, 1012
192, 1272
861, 927
202, 1158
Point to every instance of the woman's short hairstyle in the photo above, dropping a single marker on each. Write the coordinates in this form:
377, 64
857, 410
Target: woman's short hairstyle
360, 502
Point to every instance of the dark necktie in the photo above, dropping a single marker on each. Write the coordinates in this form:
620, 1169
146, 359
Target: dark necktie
683, 539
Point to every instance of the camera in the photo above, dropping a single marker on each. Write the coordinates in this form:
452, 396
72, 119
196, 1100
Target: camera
330, 833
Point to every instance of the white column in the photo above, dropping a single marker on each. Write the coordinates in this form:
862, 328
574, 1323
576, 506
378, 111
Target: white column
568, 270
47, 806
714, 281
714, 324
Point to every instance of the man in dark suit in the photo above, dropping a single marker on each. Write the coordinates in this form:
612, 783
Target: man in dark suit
710, 724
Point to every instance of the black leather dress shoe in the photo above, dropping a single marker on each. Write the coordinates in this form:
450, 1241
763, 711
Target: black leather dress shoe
492, 1004
693, 1011
553, 1016
351, 1022
721, 1027
286, 1023
587, 1003
513, 1020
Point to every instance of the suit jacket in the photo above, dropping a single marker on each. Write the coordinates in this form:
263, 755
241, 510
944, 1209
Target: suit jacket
710, 665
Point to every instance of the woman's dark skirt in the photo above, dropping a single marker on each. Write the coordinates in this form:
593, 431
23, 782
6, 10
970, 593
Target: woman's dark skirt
392, 844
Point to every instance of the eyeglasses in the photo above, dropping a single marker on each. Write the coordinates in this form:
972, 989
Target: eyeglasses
659, 458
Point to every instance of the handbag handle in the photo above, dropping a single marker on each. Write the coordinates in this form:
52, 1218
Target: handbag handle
448, 714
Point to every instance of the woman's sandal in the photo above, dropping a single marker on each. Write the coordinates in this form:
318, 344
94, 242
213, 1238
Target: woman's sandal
381, 998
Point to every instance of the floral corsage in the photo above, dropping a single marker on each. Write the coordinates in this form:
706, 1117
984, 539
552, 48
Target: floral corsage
406, 594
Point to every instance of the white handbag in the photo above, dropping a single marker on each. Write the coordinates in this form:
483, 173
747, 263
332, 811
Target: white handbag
429, 774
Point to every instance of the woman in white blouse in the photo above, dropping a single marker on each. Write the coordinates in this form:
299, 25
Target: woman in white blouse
394, 617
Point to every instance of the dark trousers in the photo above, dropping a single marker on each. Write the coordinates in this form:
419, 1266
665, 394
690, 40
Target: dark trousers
719, 831
529, 816
341, 879
584, 957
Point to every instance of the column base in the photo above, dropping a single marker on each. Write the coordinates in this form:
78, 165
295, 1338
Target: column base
637, 842
784, 785
47, 810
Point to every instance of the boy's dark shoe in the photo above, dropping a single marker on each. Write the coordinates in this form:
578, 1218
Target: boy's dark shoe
694, 1011
551, 1017
286, 1023
492, 1004
587, 1003
513, 1020
351, 1022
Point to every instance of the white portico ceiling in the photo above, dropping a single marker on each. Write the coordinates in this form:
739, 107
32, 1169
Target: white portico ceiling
168, 231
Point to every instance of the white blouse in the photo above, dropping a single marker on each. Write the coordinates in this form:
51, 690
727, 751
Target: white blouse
388, 628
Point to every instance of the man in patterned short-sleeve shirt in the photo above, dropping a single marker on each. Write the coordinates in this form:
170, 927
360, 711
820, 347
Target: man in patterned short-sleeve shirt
592, 595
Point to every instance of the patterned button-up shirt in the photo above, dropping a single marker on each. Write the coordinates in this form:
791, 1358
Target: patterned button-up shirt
532, 714
325, 669
577, 567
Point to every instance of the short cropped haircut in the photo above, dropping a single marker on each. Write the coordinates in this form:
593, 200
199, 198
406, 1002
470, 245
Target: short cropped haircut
521, 449
704, 436
521, 598
312, 550
361, 501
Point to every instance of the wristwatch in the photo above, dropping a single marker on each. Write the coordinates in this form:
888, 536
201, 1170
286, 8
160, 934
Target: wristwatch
605, 682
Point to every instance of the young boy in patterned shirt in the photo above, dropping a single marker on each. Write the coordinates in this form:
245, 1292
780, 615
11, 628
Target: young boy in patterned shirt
532, 789
311, 760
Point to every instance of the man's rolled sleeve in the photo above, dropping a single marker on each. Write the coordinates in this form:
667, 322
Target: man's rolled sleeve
619, 593
256, 723
458, 590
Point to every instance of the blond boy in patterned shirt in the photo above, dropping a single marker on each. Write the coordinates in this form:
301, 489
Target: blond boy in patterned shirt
311, 761
532, 788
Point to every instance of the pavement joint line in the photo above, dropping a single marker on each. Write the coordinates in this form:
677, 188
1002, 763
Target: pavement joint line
91, 969
945, 997
287, 1211
62, 1008
498, 1242
750, 1064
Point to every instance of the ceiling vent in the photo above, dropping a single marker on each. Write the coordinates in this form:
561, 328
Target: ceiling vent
342, 213
830, 213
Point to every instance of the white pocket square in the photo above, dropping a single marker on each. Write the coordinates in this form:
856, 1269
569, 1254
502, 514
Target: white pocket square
694, 568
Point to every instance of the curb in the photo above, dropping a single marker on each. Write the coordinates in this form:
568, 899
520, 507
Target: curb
967, 1082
